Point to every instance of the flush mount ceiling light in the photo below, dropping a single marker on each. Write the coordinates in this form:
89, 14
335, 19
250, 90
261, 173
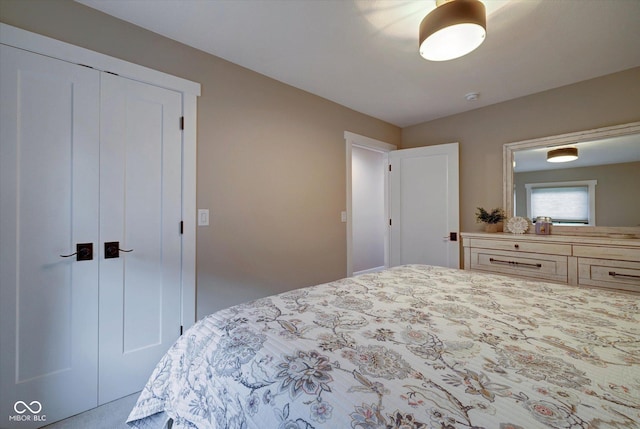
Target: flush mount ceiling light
453, 29
564, 154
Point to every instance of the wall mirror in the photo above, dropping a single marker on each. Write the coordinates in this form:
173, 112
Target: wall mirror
608, 167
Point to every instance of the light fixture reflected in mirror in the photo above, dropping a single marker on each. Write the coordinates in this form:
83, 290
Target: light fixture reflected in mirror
564, 154
453, 29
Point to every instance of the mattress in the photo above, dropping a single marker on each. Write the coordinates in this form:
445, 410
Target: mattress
410, 347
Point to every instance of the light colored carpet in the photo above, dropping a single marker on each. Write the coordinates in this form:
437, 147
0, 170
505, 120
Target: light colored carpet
108, 416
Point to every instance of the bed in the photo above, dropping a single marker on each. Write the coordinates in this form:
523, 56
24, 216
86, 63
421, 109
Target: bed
410, 347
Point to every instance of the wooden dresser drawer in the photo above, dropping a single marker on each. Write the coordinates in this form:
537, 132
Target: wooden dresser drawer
623, 275
609, 252
516, 245
534, 265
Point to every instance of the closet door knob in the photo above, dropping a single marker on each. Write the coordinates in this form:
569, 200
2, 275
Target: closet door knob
112, 249
84, 252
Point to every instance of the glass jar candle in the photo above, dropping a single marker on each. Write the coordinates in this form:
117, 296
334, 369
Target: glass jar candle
543, 225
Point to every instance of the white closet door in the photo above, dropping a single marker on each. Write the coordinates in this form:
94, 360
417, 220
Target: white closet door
49, 135
140, 207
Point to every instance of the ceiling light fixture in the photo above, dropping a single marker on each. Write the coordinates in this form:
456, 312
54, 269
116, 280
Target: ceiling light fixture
453, 29
564, 154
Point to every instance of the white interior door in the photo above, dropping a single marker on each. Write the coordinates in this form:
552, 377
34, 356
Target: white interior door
48, 203
424, 206
140, 207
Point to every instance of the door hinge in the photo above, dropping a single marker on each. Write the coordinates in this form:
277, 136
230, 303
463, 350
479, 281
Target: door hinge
181, 328
389, 167
389, 222
181, 227
182, 122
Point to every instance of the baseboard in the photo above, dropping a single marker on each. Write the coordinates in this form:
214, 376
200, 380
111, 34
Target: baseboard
370, 270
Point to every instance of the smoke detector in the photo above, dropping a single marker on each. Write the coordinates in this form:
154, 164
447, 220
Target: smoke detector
472, 96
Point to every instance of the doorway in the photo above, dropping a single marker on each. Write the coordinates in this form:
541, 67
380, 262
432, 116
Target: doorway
420, 200
367, 204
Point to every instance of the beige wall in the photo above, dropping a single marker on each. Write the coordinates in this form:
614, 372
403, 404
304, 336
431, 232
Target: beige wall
600, 102
271, 158
617, 201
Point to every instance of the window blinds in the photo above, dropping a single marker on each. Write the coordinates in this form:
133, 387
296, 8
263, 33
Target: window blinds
563, 204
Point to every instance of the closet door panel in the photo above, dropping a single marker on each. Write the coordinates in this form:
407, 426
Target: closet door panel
141, 200
48, 203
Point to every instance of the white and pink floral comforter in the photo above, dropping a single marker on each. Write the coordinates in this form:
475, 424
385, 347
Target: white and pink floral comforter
410, 347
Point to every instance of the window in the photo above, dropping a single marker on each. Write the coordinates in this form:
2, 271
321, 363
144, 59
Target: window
566, 203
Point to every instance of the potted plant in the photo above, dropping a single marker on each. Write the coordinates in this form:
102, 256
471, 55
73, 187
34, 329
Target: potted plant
492, 220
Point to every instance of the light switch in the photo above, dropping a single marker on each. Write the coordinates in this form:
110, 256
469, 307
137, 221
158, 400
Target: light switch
203, 217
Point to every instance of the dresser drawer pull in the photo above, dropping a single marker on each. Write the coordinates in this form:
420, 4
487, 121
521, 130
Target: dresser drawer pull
524, 264
517, 246
614, 274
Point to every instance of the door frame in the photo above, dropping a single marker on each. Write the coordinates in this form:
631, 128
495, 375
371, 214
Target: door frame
351, 140
22, 39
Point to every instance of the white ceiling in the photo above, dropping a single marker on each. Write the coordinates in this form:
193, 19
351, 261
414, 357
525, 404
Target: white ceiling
363, 54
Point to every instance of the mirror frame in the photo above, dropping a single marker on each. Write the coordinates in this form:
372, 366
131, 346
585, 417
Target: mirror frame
558, 140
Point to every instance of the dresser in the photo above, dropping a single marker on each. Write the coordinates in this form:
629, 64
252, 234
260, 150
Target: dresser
606, 262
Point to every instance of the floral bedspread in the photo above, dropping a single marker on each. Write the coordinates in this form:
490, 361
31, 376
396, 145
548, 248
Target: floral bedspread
410, 347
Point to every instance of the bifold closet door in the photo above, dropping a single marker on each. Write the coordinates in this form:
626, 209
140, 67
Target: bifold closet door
140, 208
49, 155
